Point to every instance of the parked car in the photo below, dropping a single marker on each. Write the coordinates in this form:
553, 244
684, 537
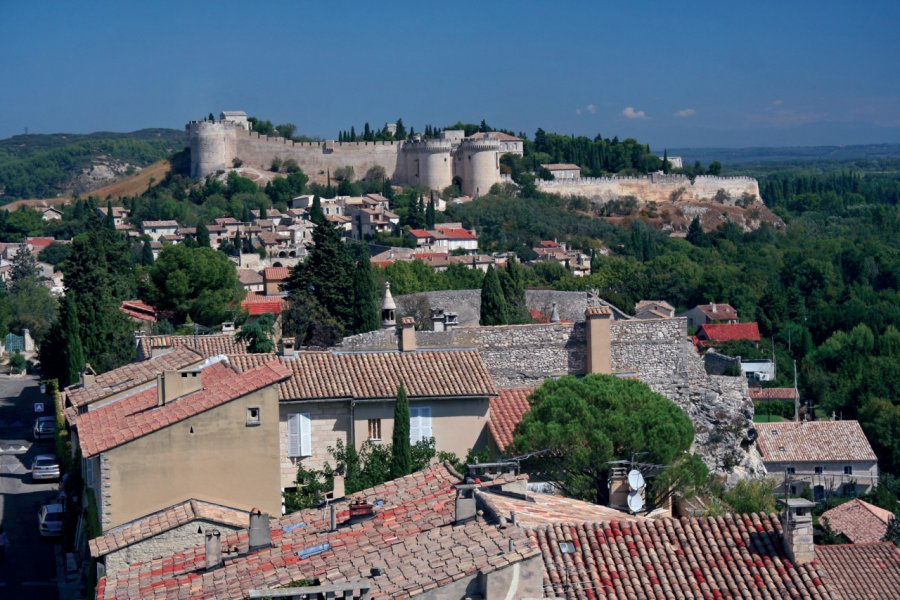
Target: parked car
50, 519
44, 428
44, 466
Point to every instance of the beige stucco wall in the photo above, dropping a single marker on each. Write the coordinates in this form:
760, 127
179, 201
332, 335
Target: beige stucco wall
457, 425
330, 423
865, 475
222, 461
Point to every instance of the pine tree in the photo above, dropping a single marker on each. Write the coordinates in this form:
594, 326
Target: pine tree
211, 117
367, 133
22, 266
696, 235
71, 340
429, 213
401, 131
365, 295
401, 450
493, 304
893, 531
202, 235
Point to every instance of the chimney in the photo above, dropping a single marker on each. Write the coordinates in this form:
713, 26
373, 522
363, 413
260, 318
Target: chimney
407, 334
465, 504
338, 490
88, 375
260, 534
599, 354
332, 517
287, 348
388, 308
712, 307
214, 558
228, 327
797, 528
554, 314
438, 322
618, 488
171, 385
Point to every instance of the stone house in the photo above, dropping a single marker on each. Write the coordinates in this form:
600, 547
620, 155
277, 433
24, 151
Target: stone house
155, 230
564, 171
208, 433
710, 313
273, 280
120, 214
509, 144
214, 344
858, 521
653, 309
830, 457
349, 396
250, 280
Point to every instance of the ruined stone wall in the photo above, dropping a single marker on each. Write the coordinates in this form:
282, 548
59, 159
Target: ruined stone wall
655, 188
164, 544
656, 350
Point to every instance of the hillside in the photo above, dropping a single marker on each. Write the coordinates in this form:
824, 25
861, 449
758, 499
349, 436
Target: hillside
49, 165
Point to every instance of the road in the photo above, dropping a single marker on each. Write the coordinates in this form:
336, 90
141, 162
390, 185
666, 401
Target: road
30, 567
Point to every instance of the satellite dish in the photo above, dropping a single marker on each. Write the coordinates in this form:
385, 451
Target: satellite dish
635, 502
635, 479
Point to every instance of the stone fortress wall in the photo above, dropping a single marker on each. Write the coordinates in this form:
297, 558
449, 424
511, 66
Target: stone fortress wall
474, 165
657, 351
656, 188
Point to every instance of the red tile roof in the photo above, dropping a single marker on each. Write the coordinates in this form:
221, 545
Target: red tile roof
256, 304
166, 520
419, 233
455, 234
537, 510
561, 167
730, 557
40, 242
130, 376
138, 310
783, 393
138, 415
367, 375
159, 224
809, 441
507, 409
859, 521
412, 538
276, 273
550, 244
861, 571
726, 332
205, 345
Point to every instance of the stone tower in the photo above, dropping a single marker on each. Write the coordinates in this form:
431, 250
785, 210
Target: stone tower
478, 165
213, 146
428, 163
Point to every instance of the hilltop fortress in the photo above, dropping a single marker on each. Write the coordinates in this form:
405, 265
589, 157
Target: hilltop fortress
472, 163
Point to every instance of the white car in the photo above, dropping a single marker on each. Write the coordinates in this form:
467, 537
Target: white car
50, 519
45, 466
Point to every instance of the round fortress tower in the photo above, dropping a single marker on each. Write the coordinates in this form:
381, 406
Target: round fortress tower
478, 164
428, 163
213, 146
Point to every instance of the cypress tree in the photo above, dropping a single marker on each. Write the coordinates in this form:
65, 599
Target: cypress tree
401, 450
110, 219
429, 213
74, 352
513, 284
665, 161
202, 235
493, 304
365, 296
147, 252
352, 133
352, 470
315, 212
211, 117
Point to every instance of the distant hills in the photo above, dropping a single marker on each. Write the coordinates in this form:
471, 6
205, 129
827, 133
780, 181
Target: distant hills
49, 165
787, 154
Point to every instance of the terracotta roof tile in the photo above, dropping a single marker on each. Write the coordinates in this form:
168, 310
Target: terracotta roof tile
859, 521
808, 441
784, 393
138, 310
726, 332
256, 304
861, 571
276, 273
332, 375
163, 521
730, 557
561, 167
130, 376
722, 312
205, 345
249, 277
135, 416
507, 409
159, 224
536, 510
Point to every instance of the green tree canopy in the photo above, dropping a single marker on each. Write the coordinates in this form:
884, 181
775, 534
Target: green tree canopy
493, 303
258, 334
200, 283
401, 453
586, 422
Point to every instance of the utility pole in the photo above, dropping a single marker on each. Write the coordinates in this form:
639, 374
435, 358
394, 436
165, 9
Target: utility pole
796, 394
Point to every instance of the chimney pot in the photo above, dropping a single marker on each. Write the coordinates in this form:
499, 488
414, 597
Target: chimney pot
407, 334
260, 533
332, 517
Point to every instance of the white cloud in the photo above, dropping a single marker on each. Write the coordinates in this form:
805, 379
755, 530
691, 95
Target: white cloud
685, 113
631, 113
577, 111
591, 108
777, 102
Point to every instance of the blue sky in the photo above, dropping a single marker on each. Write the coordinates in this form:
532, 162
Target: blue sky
672, 74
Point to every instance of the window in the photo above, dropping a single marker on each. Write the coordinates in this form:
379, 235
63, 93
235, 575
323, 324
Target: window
299, 434
89, 472
793, 490
374, 429
252, 416
848, 470
818, 470
419, 423
791, 470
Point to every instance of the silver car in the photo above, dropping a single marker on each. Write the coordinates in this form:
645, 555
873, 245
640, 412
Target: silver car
50, 519
45, 466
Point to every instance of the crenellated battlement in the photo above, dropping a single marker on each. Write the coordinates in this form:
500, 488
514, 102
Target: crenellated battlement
428, 146
480, 145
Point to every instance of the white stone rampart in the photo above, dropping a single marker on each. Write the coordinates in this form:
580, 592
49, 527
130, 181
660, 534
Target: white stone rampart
656, 188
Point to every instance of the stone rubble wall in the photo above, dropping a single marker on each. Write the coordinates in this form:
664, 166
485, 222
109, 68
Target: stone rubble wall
655, 188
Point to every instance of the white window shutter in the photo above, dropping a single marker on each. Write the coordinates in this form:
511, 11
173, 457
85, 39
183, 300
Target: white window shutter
425, 422
305, 435
294, 434
414, 431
